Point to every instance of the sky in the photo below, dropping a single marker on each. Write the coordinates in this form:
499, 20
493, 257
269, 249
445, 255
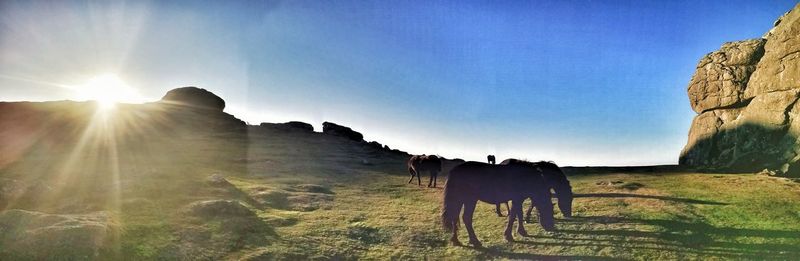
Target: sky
576, 82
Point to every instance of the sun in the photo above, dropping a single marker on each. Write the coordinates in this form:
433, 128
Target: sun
107, 90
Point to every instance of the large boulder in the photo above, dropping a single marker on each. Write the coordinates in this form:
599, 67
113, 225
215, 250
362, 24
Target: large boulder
339, 130
196, 109
30, 235
721, 76
194, 97
746, 98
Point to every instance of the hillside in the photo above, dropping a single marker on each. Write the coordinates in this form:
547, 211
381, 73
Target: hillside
175, 179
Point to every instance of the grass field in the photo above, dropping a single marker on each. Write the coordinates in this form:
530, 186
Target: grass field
668, 216
314, 196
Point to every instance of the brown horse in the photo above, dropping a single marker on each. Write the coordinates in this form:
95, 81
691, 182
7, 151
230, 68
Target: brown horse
471, 182
419, 163
555, 179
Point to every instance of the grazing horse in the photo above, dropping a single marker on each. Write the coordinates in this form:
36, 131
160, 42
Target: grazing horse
491, 159
419, 163
471, 182
555, 179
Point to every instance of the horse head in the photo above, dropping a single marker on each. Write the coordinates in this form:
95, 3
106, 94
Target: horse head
542, 202
559, 183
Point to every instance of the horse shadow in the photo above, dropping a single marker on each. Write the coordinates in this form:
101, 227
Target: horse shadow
631, 195
680, 236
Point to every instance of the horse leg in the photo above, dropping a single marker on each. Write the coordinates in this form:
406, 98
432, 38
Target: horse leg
528, 214
435, 176
497, 209
454, 237
511, 217
518, 212
430, 180
469, 209
411, 171
419, 182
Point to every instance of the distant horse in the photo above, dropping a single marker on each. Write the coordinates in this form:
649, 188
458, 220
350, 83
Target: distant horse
491, 159
555, 179
419, 163
471, 182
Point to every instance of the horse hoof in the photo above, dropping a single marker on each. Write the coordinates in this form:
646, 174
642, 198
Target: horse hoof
475, 243
510, 238
456, 243
523, 233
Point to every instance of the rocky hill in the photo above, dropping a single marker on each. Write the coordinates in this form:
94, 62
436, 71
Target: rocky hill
746, 96
137, 175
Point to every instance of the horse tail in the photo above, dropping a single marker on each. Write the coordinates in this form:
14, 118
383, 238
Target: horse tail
411, 170
451, 207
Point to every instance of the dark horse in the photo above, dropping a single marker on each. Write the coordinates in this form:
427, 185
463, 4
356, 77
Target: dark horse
419, 163
555, 179
491, 159
471, 182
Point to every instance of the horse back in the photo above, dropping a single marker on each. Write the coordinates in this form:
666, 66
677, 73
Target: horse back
494, 183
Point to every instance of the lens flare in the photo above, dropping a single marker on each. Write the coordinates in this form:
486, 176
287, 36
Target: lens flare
107, 90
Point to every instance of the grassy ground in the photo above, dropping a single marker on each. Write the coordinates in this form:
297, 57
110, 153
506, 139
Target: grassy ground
662, 216
317, 196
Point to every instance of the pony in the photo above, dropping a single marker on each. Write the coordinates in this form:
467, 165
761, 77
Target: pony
419, 163
471, 182
555, 179
491, 159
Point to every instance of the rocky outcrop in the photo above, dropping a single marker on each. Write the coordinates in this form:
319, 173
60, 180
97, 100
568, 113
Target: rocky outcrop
198, 109
194, 97
290, 126
722, 76
339, 130
746, 97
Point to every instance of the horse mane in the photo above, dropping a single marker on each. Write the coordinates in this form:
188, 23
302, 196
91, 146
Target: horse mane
549, 165
532, 163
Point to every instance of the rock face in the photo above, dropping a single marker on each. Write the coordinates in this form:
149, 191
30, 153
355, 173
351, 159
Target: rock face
194, 97
722, 76
746, 96
339, 130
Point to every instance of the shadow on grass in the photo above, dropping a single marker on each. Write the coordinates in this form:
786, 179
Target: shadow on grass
683, 237
488, 253
628, 195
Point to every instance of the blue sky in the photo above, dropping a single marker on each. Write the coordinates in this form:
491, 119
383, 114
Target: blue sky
578, 82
